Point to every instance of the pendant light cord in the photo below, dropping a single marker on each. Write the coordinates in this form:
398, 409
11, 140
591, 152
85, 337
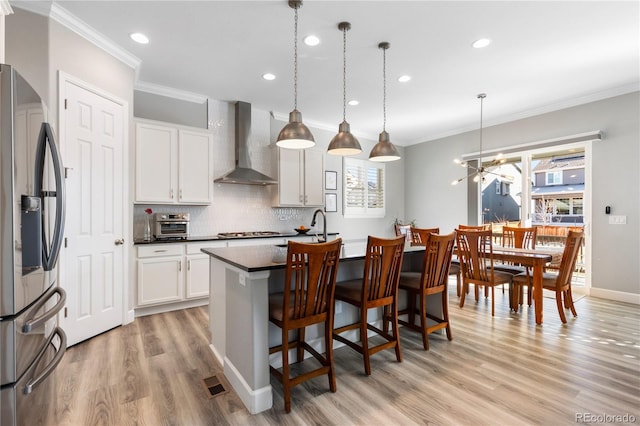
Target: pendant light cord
295, 60
384, 89
481, 96
344, 73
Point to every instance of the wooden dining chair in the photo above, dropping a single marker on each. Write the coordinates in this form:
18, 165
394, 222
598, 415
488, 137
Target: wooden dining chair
475, 250
432, 280
419, 236
307, 299
522, 238
378, 288
560, 282
483, 227
403, 230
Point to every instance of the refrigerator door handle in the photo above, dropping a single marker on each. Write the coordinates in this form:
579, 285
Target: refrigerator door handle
50, 252
34, 323
35, 381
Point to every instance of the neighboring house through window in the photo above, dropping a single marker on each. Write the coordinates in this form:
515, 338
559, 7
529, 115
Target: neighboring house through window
554, 178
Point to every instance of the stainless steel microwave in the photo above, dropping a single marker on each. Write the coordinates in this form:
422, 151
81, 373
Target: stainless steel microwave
169, 226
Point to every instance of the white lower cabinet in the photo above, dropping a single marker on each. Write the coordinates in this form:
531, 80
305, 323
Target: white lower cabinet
160, 275
173, 272
197, 274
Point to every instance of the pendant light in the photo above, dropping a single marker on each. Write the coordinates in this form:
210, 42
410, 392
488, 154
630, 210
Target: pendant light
480, 171
384, 150
295, 135
344, 143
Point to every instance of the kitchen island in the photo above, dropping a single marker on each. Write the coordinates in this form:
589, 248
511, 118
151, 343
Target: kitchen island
241, 279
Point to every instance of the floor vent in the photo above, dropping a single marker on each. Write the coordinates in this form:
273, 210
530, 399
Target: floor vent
214, 386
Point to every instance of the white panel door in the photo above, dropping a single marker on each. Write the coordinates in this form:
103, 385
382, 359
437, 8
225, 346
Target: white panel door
93, 142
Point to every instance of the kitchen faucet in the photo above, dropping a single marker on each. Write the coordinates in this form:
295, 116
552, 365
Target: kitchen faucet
324, 222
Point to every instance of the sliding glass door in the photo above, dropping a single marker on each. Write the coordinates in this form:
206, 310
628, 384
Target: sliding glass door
546, 188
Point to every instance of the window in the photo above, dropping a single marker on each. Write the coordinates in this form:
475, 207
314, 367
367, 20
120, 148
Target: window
561, 205
364, 185
554, 178
577, 206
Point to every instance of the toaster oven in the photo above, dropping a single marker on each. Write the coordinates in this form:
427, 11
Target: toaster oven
171, 226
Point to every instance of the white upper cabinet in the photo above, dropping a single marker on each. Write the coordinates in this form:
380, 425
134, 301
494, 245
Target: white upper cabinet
173, 164
195, 154
300, 178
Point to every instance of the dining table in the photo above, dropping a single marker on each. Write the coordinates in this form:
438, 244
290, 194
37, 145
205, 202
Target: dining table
537, 259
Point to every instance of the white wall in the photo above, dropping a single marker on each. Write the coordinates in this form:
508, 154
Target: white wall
27, 49
616, 181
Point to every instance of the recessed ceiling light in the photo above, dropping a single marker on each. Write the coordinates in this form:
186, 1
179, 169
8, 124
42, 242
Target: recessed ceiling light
311, 40
404, 78
139, 38
354, 102
480, 43
269, 76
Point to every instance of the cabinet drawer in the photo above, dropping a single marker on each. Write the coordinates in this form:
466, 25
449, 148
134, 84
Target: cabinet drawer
157, 250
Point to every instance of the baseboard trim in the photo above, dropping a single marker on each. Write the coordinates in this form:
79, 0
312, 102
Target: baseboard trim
217, 355
618, 296
158, 309
257, 400
130, 316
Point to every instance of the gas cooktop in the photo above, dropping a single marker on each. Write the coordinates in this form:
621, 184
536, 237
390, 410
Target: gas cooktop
247, 234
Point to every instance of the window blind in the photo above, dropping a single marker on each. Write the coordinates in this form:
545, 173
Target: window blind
364, 188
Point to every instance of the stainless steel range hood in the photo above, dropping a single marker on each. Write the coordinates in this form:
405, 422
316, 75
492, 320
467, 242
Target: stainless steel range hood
243, 173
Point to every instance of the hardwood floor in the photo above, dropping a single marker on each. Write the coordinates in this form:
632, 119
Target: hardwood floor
500, 370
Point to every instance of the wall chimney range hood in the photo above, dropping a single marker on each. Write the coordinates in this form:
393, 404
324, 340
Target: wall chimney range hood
243, 174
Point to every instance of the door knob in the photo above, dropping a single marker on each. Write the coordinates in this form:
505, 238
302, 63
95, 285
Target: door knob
119, 242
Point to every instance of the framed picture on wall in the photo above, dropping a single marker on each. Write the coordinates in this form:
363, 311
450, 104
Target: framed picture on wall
331, 203
330, 180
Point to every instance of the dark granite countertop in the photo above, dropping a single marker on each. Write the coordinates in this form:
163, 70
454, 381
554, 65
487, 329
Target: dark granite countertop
192, 239
264, 258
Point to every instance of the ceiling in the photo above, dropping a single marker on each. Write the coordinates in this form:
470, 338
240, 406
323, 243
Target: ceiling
545, 55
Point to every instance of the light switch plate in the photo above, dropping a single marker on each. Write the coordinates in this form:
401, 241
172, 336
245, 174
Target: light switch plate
617, 220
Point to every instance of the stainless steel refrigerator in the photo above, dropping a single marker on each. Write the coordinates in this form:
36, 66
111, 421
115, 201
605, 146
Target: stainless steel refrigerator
31, 231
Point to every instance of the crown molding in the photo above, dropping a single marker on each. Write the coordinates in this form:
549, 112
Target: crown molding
73, 23
5, 8
78, 26
170, 92
557, 106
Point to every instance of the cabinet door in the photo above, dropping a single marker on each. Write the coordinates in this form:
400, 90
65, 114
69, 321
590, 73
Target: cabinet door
159, 280
156, 175
313, 178
290, 177
197, 284
195, 159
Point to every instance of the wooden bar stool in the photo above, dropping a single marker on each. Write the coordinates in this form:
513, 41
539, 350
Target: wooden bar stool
432, 280
377, 289
310, 279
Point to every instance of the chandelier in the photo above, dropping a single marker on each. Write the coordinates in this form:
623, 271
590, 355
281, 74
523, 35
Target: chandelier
478, 173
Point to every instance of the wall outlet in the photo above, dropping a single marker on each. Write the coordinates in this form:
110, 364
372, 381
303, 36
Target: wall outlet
617, 220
